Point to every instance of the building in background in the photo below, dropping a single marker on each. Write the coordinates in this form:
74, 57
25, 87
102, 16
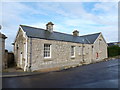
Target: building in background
114, 43
42, 49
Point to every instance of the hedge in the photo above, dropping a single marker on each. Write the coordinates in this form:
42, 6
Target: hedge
113, 50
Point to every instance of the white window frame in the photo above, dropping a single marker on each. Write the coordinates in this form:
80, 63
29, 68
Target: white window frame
72, 52
48, 52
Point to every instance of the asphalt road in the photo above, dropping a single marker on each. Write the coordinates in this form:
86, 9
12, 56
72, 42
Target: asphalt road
99, 75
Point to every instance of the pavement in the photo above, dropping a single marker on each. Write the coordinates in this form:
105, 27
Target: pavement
18, 74
98, 75
14, 72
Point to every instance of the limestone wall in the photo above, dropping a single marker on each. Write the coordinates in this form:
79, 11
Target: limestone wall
32, 52
60, 54
100, 47
2, 50
20, 49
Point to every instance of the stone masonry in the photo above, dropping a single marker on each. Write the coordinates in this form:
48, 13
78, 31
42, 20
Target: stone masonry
2, 50
61, 54
29, 53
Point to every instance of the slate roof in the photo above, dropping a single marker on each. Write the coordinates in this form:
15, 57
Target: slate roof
44, 34
113, 43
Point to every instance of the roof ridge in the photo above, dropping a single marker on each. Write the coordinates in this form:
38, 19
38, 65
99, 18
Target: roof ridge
31, 26
45, 29
89, 38
65, 33
90, 34
59, 32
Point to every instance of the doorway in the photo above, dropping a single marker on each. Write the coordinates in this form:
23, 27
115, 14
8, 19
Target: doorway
21, 59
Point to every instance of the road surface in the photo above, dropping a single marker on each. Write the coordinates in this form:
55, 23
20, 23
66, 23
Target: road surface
99, 75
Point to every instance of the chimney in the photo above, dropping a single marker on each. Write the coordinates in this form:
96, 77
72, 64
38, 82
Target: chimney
76, 33
49, 26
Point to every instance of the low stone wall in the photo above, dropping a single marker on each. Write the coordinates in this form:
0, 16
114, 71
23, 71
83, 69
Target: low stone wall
6, 59
74, 65
115, 57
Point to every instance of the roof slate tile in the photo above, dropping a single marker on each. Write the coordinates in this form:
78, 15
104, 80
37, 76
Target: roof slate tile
44, 34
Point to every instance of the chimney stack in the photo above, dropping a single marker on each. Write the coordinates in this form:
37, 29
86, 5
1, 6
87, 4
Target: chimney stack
49, 26
76, 33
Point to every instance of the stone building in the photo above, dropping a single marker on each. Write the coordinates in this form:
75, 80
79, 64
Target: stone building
2, 50
42, 49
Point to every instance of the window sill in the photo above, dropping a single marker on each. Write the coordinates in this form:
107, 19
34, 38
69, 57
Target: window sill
72, 57
48, 59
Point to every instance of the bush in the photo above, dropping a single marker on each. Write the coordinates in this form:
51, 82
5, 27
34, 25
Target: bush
113, 51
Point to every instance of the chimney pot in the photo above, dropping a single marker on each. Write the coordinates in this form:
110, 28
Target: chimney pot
76, 33
49, 26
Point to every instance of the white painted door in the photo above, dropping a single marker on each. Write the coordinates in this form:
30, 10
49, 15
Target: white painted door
25, 62
21, 59
25, 57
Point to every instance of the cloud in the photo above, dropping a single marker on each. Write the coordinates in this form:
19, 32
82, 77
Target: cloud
60, 1
14, 14
11, 18
39, 25
106, 21
101, 17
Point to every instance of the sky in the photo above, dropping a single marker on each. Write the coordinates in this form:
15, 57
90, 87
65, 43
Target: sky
86, 17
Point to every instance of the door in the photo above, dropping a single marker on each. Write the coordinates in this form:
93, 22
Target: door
25, 58
21, 59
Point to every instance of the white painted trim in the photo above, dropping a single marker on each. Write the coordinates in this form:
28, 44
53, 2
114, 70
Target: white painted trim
47, 57
104, 39
26, 64
26, 61
16, 35
21, 59
50, 52
74, 52
25, 53
98, 38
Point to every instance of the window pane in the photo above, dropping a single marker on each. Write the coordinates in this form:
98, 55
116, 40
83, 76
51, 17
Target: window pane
46, 50
72, 50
